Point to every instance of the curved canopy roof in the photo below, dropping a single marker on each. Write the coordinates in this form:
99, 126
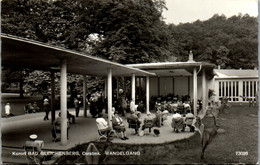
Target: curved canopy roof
21, 52
176, 68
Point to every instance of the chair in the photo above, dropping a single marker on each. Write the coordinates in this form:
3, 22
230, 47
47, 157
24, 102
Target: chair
177, 124
188, 122
56, 131
135, 124
104, 134
32, 155
148, 124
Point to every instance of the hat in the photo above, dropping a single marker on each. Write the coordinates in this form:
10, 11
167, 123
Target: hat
33, 137
46, 99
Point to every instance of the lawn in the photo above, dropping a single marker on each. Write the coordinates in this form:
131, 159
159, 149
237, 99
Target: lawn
240, 124
17, 104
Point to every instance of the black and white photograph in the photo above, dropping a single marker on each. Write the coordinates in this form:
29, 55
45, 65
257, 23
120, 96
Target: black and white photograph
129, 82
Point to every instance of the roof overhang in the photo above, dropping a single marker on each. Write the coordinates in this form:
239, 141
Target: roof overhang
24, 53
235, 77
176, 68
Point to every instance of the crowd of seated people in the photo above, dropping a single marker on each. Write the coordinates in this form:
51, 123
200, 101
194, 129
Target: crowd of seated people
179, 109
31, 108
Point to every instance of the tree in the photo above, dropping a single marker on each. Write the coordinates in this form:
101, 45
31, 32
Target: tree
129, 31
13, 74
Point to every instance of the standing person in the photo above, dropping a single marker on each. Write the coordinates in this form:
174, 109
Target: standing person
46, 107
124, 106
76, 104
132, 105
7, 110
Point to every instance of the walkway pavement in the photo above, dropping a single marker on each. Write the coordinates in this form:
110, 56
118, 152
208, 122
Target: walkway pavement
16, 130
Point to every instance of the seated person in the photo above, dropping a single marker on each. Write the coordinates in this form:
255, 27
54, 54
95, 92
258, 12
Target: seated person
134, 121
174, 107
70, 117
189, 120
35, 107
149, 121
118, 125
57, 127
158, 118
37, 145
177, 122
28, 108
102, 124
149, 117
186, 107
164, 115
140, 107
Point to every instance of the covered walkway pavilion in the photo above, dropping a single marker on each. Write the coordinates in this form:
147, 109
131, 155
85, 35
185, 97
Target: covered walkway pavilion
179, 78
24, 53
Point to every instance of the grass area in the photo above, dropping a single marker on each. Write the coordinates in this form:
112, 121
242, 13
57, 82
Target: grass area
240, 123
17, 103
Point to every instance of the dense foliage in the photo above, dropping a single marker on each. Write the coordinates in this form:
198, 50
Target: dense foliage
129, 31
124, 31
229, 42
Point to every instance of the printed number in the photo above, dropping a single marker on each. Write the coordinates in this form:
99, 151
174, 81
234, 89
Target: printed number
241, 153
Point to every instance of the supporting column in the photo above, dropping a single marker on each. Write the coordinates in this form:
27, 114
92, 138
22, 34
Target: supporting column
195, 100
63, 101
159, 92
133, 87
240, 90
124, 87
147, 95
204, 91
84, 96
109, 96
52, 97
117, 87
173, 85
105, 92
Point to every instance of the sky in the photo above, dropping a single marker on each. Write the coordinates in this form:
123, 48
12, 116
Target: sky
183, 11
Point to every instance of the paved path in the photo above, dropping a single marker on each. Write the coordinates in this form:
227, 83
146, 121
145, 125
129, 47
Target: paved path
16, 130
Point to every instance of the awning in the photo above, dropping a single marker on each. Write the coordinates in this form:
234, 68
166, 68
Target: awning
25, 53
176, 68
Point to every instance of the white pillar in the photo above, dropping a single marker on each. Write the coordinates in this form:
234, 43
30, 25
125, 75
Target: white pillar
63, 100
195, 100
109, 96
147, 95
133, 87
105, 92
52, 97
240, 90
84, 96
117, 87
204, 91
